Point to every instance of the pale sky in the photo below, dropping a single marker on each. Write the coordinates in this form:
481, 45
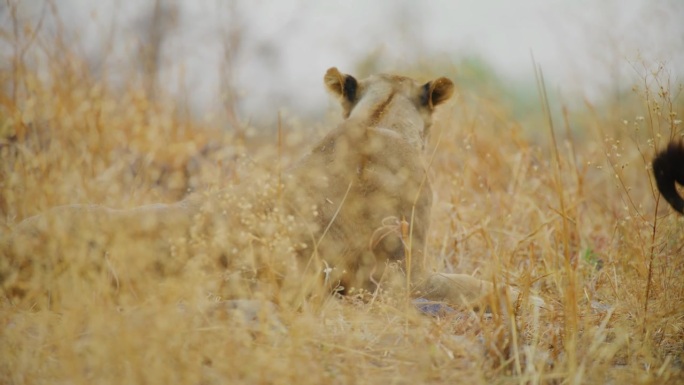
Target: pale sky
583, 46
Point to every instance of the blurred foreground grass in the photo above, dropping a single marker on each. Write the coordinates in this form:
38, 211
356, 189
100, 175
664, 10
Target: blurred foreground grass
67, 137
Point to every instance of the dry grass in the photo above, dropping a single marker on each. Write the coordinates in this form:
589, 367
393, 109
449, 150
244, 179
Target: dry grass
577, 220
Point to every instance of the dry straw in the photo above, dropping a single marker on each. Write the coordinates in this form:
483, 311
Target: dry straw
576, 219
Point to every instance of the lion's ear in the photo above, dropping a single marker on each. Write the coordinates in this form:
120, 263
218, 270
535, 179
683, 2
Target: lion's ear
436, 92
342, 85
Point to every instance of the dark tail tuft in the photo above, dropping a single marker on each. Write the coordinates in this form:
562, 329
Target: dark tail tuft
668, 168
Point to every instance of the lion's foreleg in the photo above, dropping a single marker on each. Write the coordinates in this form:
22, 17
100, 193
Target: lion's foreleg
456, 289
463, 289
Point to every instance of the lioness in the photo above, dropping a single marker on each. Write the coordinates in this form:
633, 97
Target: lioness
357, 203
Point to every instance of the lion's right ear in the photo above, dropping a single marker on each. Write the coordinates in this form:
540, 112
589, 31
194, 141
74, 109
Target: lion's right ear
437, 92
343, 86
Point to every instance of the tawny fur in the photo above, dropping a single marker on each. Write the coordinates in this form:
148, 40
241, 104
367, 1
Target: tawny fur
357, 203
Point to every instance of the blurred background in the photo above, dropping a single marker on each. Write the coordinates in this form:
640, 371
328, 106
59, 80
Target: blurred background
248, 60
129, 103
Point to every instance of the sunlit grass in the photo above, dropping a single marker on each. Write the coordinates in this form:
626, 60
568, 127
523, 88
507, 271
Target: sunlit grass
69, 138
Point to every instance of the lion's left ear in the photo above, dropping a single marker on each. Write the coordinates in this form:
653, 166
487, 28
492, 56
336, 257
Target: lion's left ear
436, 92
342, 85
